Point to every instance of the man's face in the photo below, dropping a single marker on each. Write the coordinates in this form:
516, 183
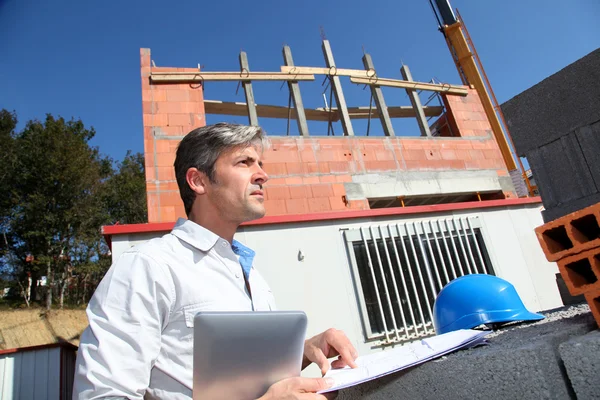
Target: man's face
238, 193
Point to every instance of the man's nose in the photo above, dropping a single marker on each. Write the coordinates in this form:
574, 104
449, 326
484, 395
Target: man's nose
260, 177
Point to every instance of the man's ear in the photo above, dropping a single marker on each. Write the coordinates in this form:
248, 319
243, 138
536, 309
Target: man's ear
196, 180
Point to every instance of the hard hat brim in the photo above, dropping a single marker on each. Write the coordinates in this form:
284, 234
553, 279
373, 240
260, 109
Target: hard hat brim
472, 320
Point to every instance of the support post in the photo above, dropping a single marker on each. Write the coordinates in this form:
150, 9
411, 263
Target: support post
416, 103
294, 88
337, 89
251, 104
377, 93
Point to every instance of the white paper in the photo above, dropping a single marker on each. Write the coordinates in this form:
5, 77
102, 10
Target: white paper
386, 362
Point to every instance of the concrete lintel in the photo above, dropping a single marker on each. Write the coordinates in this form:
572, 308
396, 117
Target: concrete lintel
421, 183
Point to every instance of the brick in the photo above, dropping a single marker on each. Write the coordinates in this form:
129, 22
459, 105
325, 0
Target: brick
414, 154
171, 198
320, 204
155, 120
310, 180
275, 169
433, 155
281, 156
327, 179
343, 178
380, 165
294, 180
294, 168
150, 172
322, 190
300, 192
476, 154
277, 192
337, 203
169, 130
307, 156
165, 173
581, 272
178, 95
339, 189
448, 154
159, 94
297, 206
358, 204
277, 181
571, 234
593, 300
162, 146
339, 167
165, 159
180, 120
275, 207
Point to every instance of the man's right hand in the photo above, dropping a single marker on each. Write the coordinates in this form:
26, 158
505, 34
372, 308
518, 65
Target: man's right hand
298, 388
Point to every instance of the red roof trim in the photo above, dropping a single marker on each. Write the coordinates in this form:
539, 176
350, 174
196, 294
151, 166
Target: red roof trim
333, 215
40, 347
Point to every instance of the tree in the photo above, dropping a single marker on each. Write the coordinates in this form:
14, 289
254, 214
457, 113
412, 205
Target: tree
126, 191
57, 193
55, 181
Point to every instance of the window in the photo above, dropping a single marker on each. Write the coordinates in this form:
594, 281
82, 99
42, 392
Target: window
399, 269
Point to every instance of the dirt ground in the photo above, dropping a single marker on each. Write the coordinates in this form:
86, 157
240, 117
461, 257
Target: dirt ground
32, 327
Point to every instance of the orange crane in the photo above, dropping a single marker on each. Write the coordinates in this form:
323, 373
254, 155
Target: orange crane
469, 66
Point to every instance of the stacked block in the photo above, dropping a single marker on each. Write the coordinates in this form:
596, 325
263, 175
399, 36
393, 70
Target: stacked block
573, 241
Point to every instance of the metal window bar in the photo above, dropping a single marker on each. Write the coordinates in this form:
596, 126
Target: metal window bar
418, 254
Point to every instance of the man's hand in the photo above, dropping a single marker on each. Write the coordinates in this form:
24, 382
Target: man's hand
298, 388
329, 344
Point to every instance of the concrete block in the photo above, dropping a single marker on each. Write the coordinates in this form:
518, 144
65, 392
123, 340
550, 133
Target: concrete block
571, 234
593, 300
581, 357
581, 272
589, 141
556, 106
518, 364
561, 172
552, 213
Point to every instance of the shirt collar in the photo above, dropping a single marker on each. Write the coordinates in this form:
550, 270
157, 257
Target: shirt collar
194, 234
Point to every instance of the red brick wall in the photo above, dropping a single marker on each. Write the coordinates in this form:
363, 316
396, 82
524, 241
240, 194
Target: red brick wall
170, 112
308, 174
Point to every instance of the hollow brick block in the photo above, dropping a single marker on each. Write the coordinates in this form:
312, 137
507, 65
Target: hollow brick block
593, 299
571, 234
581, 272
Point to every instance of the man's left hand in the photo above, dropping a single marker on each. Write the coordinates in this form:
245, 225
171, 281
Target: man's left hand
329, 344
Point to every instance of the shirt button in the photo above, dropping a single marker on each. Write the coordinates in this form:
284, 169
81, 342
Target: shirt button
237, 276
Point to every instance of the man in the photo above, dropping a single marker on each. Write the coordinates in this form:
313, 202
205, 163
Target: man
139, 341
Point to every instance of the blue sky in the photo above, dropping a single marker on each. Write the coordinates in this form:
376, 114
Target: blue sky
81, 58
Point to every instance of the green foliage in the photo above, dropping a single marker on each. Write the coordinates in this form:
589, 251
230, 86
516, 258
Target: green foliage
59, 191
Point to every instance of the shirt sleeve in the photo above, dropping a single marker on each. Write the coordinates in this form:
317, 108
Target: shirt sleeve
126, 316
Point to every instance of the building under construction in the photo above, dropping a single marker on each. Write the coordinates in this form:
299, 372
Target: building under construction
391, 219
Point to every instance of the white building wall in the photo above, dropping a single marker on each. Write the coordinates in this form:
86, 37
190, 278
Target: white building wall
31, 374
321, 283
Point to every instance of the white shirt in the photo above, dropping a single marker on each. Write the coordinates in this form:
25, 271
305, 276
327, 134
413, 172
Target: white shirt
139, 340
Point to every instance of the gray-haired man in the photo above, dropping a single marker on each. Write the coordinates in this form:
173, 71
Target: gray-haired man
139, 342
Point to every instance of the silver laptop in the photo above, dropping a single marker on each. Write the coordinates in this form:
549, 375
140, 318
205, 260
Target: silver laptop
239, 355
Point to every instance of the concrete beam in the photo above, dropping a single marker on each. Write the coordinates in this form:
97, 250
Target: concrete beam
422, 183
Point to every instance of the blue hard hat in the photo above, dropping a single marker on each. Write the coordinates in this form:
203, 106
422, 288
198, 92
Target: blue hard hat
477, 299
